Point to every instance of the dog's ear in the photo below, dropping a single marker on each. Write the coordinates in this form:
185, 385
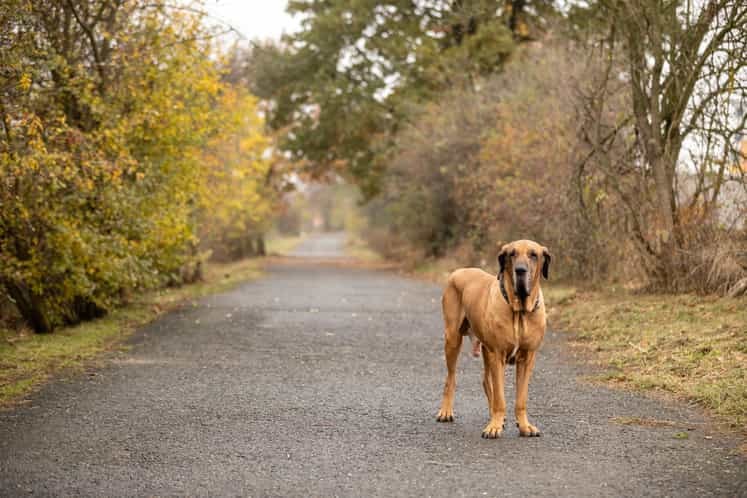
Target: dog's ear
503, 257
546, 258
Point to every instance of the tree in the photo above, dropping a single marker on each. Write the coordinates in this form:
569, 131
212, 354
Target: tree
105, 110
368, 62
684, 67
236, 197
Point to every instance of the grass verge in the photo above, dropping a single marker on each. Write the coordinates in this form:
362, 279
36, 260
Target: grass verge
281, 245
27, 359
687, 345
358, 249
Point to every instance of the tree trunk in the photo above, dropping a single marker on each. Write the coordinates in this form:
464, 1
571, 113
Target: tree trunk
738, 289
261, 249
665, 238
83, 308
30, 307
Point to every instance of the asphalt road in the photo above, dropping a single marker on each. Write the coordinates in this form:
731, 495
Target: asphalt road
324, 380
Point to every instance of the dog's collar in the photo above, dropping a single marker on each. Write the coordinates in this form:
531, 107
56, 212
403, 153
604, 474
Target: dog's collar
505, 294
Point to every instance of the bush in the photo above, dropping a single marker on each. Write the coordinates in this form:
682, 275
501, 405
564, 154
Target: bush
102, 170
480, 167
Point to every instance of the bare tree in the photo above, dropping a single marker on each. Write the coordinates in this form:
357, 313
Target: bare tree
683, 66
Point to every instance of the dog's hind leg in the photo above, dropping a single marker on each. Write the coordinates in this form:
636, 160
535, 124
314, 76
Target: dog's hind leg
453, 319
464, 329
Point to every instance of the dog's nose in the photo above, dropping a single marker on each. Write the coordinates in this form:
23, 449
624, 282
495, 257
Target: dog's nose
520, 270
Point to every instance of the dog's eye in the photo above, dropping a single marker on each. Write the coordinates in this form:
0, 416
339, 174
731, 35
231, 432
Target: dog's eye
513, 253
533, 255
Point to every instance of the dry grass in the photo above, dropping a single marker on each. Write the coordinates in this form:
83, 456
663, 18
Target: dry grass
691, 346
358, 249
28, 359
436, 270
281, 245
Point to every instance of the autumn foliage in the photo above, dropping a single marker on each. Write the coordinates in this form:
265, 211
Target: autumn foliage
486, 165
121, 145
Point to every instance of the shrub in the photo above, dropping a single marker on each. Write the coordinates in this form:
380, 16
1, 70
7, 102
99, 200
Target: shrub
102, 173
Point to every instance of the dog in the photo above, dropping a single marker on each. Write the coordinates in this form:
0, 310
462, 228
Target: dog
506, 314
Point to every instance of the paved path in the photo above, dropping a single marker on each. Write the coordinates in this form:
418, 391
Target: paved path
319, 380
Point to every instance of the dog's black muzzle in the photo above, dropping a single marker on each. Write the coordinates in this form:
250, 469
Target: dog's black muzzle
521, 280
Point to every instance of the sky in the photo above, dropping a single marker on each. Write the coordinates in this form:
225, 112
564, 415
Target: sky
261, 19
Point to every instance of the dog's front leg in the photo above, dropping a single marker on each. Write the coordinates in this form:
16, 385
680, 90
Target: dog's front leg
452, 346
487, 380
496, 365
524, 366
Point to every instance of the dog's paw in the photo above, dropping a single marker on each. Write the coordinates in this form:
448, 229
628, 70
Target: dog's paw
528, 431
493, 430
445, 416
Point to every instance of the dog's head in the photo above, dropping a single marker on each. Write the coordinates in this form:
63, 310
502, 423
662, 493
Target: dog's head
521, 262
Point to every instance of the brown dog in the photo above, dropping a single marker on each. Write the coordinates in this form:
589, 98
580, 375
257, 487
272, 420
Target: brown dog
507, 315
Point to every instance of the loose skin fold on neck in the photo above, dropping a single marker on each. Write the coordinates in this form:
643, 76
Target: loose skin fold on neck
531, 302
519, 308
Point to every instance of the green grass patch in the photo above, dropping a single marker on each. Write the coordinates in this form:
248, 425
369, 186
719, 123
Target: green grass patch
692, 346
28, 359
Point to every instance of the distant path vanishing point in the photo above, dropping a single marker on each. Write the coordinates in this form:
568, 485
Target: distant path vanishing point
331, 245
324, 380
